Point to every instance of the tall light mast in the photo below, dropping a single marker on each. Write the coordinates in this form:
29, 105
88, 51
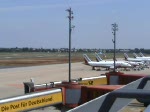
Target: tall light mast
70, 17
114, 29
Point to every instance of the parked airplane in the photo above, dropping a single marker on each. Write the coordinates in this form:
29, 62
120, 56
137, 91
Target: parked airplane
143, 57
142, 62
132, 59
133, 64
105, 64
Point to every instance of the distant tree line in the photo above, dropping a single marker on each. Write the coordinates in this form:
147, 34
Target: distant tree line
26, 49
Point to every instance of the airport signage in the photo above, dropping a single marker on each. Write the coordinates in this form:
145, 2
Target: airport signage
93, 81
32, 103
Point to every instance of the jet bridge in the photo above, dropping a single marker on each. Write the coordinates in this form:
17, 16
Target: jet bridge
119, 99
80, 89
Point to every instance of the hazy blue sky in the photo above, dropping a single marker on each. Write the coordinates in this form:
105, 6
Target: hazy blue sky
44, 23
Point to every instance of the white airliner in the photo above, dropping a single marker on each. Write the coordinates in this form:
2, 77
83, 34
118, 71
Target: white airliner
133, 64
145, 62
132, 59
105, 64
141, 55
145, 58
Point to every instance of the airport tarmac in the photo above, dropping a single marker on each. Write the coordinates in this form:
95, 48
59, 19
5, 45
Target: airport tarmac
12, 78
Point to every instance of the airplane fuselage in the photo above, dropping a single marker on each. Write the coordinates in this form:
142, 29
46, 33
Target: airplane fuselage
109, 64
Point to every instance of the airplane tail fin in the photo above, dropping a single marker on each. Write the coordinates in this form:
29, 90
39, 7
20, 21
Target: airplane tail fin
98, 58
86, 59
141, 54
135, 55
104, 55
126, 56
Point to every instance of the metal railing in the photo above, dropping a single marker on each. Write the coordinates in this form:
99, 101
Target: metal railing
141, 95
